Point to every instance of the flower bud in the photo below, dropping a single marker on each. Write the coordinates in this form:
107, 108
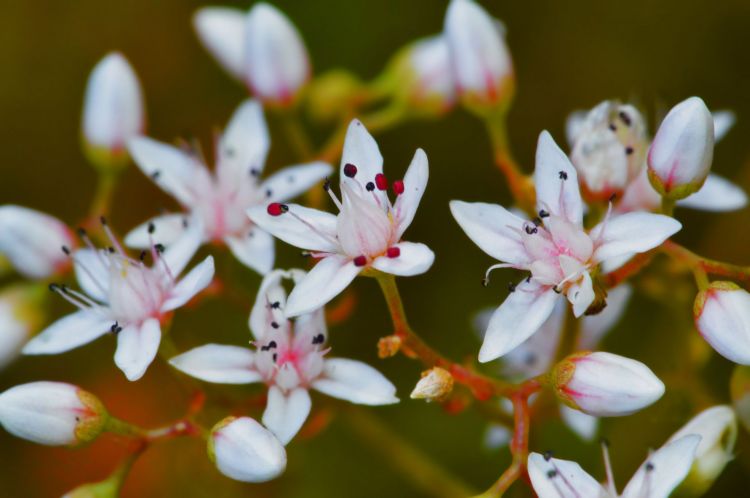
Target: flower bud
112, 111
722, 316
389, 346
436, 384
680, 156
244, 450
222, 32
605, 384
717, 427
482, 66
276, 61
108, 488
21, 314
332, 96
33, 241
52, 413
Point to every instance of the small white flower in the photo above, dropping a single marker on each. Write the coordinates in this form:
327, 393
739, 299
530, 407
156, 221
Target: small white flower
554, 248
290, 360
221, 199
365, 234
244, 450
722, 316
222, 32
662, 471
52, 413
31, 240
123, 296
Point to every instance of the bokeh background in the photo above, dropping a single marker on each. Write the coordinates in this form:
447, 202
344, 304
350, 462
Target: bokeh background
568, 55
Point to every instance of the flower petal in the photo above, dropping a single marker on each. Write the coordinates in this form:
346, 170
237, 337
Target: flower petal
415, 182
137, 347
301, 227
285, 414
574, 125
361, 150
69, 332
584, 425
218, 363
634, 232
556, 181
92, 273
414, 259
264, 313
292, 181
191, 284
555, 478
594, 327
581, 295
255, 250
664, 469
493, 228
330, 276
167, 229
723, 122
244, 144
178, 255
716, 195
356, 382
222, 32
520, 315
246, 451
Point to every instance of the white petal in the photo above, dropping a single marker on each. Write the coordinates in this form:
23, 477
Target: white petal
246, 451
494, 229
361, 150
414, 259
632, 233
584, 425
581, 295
520, 315
555, 478
723, 122
137, 348
573, 126
70, 332
594, 327
415, 182
325, 281
292, 181
178, 254
356, 382
92, 273
670, 464
557, 195
285, 414
263, 314
218, 363
255, 250
723, 320
536, 354
309, 229
167, 229
191, 284
716, 195
244, 144
222, 32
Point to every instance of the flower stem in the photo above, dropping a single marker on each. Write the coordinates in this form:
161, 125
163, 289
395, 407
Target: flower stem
520, 185
667, 206
704, 266
105, 189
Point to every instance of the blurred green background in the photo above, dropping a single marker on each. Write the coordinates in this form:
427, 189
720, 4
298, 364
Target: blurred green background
568, 55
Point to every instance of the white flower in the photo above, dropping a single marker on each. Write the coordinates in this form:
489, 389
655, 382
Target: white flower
365, 234
481, 62
244, 450
113, 108
554, 248
662, 471
52, 413
722, 316
220, 199
123, 296
680, 156
290, 360
605, 384
222, 32
31, 240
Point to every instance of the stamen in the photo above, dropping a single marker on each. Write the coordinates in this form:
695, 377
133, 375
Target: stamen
274, 325
370, 186
276, 305
66, 250
531, 229
608, 468
628, 150
319, 339
512, 287
151, 228
360, 261
393, 252
486, 280
398, 187
277, 209
381, 181
59, 290
350, 170
612, 126
543, 214
563, 175
327, 188
311, 227
625, 118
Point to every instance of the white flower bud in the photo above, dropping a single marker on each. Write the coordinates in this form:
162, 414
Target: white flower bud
680, 156
244, 450
436, 384
20, 316
722, 316
112, 110
222, 32
52, 413
276, 61
605, 384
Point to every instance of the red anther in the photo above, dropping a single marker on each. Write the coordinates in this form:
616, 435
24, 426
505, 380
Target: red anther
393, 252
381, 181
277, 209
398, 187
360, 261
350, 170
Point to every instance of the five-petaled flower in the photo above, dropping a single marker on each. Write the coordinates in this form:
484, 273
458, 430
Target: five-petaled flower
290, 359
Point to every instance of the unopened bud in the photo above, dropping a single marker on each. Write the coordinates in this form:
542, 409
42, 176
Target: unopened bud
222, 32
389, 346
722, 316
21, 314
436, 384
244, 450
332, 96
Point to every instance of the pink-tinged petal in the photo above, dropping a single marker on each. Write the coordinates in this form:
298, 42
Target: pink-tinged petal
520, 315
325, 281
219, 364
639, 195
137, 348
167, 229
413, 259
722, 316
723, 122
92, 273
581, 295
70, 332
191, 284
254, 250
246, 451
583, 425
292, 181
664, 469
415, 182
556, 478
556, 181
180, 252
631, 233
222, 32
716, 195
494, 229
361, 150
594, 327
355, 382
264, 311
285, 413
244, 145
301, 227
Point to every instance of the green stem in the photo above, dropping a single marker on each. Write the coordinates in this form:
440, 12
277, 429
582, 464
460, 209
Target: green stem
105, 189
667, 206
117, 426
520, 185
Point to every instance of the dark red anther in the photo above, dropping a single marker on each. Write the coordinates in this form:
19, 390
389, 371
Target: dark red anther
277, 209
398, 187
350, 170
393, 252
381, 181
360, 261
